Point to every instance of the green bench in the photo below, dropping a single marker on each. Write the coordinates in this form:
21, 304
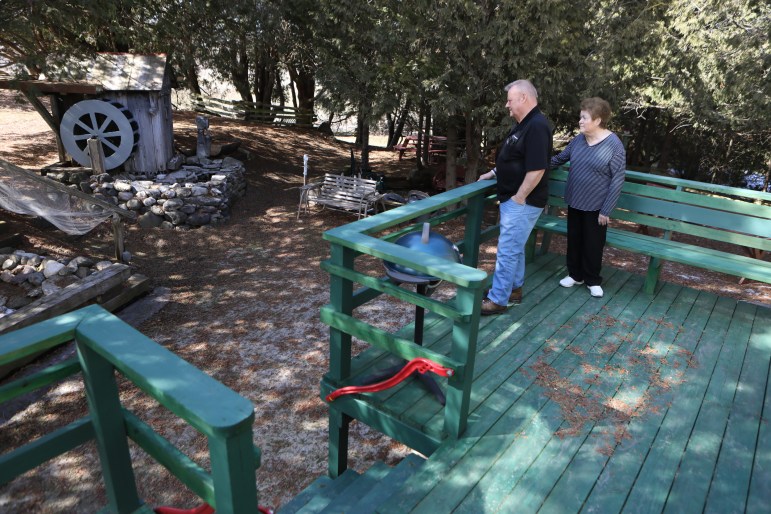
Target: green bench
719, 213
106, 346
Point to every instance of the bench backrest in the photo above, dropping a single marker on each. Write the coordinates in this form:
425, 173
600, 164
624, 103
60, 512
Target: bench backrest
352, 188
730, 215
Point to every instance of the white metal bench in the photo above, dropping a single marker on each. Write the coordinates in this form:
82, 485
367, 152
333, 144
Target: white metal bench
340, 192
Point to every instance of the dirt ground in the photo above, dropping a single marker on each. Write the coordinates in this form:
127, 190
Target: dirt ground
244, 302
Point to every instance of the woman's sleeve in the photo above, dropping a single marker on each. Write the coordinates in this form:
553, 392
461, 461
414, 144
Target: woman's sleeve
617, 174
563, 156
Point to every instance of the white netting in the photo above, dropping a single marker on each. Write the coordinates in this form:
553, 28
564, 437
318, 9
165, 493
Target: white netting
34, 196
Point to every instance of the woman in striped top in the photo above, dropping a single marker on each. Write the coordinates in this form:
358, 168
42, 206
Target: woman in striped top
597, 161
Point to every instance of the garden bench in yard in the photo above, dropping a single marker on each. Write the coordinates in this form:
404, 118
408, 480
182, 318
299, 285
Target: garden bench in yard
341, 192
708, 211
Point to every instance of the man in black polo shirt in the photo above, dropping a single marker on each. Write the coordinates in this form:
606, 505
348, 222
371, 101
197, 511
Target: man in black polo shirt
520, 170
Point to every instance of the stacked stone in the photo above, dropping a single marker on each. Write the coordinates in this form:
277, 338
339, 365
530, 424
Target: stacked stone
37, 275
199, 192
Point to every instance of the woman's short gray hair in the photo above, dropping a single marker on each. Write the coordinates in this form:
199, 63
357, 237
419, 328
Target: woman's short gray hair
525, 86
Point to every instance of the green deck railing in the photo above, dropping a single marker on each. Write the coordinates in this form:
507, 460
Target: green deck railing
106, 345
374, 236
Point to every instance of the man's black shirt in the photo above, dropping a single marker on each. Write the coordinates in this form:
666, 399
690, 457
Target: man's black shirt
528, 147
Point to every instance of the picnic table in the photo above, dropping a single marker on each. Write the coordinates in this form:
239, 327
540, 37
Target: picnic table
437, 145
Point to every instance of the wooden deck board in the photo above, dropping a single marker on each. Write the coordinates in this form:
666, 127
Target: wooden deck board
684, 375
537, 451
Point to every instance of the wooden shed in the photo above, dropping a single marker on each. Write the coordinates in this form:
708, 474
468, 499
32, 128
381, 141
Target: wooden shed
123, 99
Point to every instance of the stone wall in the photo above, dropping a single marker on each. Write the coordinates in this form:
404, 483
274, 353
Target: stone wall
38, 275
200, 192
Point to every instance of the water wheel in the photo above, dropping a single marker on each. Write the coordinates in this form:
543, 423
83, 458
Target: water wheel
107, 120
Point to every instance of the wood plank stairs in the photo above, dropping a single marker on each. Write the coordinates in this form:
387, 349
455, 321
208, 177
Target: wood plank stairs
352, 492
633, 402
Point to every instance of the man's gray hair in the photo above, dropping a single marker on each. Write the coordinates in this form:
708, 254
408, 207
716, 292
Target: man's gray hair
525, 86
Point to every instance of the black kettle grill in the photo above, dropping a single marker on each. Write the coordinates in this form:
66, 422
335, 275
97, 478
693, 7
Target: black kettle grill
431, 243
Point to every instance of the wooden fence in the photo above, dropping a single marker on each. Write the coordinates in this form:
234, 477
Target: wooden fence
241, 110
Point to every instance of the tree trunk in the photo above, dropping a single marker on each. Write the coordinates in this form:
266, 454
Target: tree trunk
279, 90
450, 175
473, 142
419, 142
666, 146
191, 77
427, 137
637, 143
365, 146
240, 73
390, 122
402, 119
359, 127
304, 78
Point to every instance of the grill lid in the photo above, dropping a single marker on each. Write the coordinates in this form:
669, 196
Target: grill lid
428, 242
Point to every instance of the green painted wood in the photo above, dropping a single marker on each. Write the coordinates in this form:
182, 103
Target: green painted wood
464, 349
575, 484
516, 448
692, 482
674, 182
341, 290
497, 420
421, 407
409, 212
731, 480
472, 234
46, 335
206, 404
378, 416
166, 454
328, 493
386, 286
40, 379
402, 473
760, 485
443, 269
552, 460
733, 264
32, 454
375, 476
639, 477
109, 429
382, 339
339, 423
305, 496
233, 472
518, 338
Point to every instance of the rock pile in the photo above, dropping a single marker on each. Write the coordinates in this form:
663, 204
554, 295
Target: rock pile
195, 192
200, 192
36, 275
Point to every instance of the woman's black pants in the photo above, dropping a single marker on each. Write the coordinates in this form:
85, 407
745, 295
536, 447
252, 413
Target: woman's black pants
586, 241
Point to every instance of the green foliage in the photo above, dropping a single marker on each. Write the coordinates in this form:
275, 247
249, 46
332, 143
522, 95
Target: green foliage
689, 81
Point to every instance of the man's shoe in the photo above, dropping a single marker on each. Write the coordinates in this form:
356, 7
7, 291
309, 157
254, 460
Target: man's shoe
514, 297
489, 307
595, 291
569, 282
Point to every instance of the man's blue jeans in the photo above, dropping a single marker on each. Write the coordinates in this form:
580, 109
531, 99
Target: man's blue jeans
517, 221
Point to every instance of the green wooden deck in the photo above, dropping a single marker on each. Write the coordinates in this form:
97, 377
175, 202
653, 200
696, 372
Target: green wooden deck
632, 402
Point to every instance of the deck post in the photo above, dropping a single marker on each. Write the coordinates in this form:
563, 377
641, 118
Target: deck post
473, 234
464, 348
338, 442
232, 466
341, 300
110, 430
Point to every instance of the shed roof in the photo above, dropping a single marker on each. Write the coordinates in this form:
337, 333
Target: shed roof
115, 71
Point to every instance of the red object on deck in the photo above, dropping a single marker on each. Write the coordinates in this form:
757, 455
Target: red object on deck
201, 509
419, 364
